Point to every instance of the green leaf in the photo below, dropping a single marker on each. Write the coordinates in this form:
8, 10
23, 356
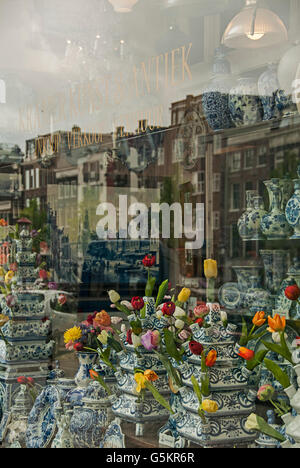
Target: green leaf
279, 350
136, 326
265, 428
205, 385
244, 336
278, 373
150, 286
172, 372
257, 336
162, 291
197, 389
103, 384
158, 397
257, 360
123, 308
171, 346
114, 344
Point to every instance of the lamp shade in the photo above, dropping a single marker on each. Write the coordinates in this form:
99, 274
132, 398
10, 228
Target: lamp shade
123, 6
254, 27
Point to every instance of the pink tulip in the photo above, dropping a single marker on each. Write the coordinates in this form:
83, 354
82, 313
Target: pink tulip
184, 335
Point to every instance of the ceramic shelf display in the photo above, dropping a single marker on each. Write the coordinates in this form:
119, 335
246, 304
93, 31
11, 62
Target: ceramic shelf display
244, 104
274, 224
268, 86
292, 210
215, 96
27, 349
228, 386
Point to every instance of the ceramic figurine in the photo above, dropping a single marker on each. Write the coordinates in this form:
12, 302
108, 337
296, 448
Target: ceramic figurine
244, 104
274, 224
292, 210
215, 96
268, 86
244, 228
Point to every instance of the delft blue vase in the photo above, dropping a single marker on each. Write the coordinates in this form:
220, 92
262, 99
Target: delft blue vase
255, 217
292, 210
244, 104
244, 229
258, 298
248, 277
274, 224
268, 86
276, 265
215, 96
287, 189
86, 363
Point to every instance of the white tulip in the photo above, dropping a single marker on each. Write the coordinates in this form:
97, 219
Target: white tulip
114, 296
136, 340
159, 314
179, 324
276, 337
223, 315
179, 312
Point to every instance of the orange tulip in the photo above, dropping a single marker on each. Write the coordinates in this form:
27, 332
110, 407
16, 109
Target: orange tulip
3, 223
246, 353
276, 324
93, 374
259, 319
102, 319
150, 375
211, 358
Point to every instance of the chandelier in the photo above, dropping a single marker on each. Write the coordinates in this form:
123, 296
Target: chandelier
254, 27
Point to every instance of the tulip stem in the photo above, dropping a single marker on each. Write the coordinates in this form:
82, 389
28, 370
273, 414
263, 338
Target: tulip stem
210, 289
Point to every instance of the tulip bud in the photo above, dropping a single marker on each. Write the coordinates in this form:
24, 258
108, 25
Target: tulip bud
179, 312
136, 340
114, 296
210, 269
179, 324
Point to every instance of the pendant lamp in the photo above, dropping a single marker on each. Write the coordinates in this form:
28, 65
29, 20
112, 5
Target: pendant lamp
254, 27
123, 6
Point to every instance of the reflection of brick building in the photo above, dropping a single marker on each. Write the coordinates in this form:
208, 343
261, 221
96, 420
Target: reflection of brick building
10, 182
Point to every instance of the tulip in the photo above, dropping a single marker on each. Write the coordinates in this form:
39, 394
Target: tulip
210, 269
62, 299
93, 374
129, 337
148, 261
184, 295
9, 276
102, 319
10, 300
136, 340
184, 335
277, 338
155, 338
265, 392
223, 316
200, 321
13, 266
292, 292
30, 381
252, 423
3, 320
201, 310
246, 353
103, 337
137, 302
150, 375
209, 406
146, 341
196, 348
3, 223
179, 324
78, 346
179, 312
140, 380
259, 319
69, 345
211, 358
168, 308
127, 304
22, 380
116, 320
52, 285
43, 274
159, 314
276, 324
113, 296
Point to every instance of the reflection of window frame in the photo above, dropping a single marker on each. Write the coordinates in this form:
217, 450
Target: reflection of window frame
235, 161
188, 257
232, 198
278, 158
216, 182
160, 156
262, 151
178, 150
249, 153
216, 220
61, 191
27, 179
200, 184
201, 146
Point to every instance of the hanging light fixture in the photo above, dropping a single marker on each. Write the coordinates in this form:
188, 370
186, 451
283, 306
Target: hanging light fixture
254, 27
123, 6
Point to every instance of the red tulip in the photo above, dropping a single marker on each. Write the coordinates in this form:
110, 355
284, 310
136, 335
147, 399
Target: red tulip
43, 274
148, 261
30, 381
62, 299
78, 346
246, 353
128, 337
200, 321
22, 380
292, 292
196, 348
137, 302
168, 308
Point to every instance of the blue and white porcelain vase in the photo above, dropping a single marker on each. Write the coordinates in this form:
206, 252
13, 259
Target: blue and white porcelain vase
255, 217
245, 276
287, 189
276, 264
86, 363
245, 231
244, 104
268, 86
258, 298
274, 225
292, 210
215, 96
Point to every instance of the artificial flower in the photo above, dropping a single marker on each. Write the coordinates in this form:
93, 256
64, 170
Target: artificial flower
149, 341
210, 268
211, 358
246, 353
209, 406
127, 304
62, 299
168, 308
78, 346
259, 319
129, 337
155, 338
276, 324
114, 296
140, 380
159, 314
292, 292
252, 423
136, 340
137, 303
34, 233
277, 338
184, 295
30, 381
201, 310
103, 337
43, 274
150, 375
223, 316
52, 285
3, 259
179, 312
9, 276
69, 346
196, 348
3, 320
72, 335
179, 324
148, 261
265, 392
2, 271
102, 319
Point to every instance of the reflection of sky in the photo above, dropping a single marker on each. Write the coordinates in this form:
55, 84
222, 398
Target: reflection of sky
56, 46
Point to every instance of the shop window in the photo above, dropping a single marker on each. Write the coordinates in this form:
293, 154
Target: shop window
235, 197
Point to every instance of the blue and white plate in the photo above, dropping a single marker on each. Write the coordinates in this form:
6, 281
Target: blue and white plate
230, 295
41, 424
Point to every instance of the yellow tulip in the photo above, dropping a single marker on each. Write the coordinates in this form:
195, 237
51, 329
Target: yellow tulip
3, 320
184, 295
140, 380
209, 406
210, 268
9, 276
103, 337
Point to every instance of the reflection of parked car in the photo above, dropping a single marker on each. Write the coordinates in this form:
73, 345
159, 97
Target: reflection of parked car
117, 264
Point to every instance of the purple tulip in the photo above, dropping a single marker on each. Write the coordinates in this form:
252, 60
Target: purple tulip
10, 300
146, 341
52, 285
